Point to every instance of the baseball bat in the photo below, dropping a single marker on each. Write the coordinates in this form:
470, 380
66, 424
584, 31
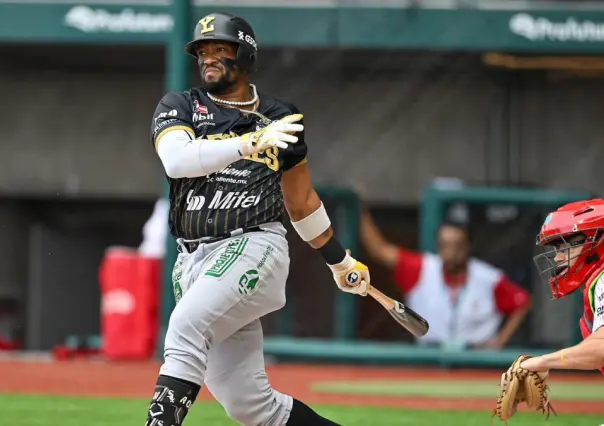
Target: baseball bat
405, 316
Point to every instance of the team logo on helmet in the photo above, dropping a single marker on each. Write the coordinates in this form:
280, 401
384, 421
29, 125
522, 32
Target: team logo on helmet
206, 24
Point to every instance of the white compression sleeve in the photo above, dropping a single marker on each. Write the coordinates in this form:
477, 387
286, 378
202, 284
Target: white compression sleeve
185, 157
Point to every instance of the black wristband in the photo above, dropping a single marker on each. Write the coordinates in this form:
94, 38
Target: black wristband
332, 251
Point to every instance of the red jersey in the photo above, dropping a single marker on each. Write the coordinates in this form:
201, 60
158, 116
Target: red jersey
509, 296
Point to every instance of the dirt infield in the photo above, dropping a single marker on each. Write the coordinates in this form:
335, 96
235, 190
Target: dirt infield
137, 379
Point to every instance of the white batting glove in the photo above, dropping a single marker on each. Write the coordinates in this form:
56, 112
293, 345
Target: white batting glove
351, 276
279, 133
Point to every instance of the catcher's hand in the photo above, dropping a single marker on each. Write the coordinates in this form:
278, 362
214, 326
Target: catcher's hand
520, 385
351, 276
277, 134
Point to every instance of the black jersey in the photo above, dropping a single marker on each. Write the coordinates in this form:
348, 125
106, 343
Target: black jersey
247, 192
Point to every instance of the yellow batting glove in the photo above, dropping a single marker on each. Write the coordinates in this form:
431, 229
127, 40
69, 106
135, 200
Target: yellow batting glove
351, 276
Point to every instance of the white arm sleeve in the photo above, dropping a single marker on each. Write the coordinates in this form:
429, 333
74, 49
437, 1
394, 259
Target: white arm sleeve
186, 157
598, 304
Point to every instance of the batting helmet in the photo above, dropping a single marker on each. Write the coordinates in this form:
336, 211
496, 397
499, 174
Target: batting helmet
227, 27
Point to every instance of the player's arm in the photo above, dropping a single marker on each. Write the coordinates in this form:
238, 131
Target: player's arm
311, 221
587, 355
184, 156
515, 303
513, 322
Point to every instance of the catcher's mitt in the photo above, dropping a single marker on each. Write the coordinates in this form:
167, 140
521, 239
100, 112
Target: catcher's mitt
519, 385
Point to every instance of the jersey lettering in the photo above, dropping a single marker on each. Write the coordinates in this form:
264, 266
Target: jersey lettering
233, 200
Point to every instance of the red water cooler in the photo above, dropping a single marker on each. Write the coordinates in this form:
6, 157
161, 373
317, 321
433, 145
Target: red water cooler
130, 304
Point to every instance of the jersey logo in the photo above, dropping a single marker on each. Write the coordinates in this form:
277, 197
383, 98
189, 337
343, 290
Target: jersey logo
172, 113
195, 202
206, 24
202, 109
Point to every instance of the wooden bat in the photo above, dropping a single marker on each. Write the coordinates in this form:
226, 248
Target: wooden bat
406, 317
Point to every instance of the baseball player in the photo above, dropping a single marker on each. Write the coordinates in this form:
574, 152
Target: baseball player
573, 259
235, 159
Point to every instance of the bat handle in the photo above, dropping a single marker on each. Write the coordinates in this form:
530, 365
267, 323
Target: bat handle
384, 300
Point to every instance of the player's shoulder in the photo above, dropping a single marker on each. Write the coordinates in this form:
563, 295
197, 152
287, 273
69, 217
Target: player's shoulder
176, 97
186, 100
598, 284
275, 107
173, 100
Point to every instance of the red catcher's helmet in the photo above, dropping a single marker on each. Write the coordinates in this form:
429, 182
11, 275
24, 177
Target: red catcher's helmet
581, 218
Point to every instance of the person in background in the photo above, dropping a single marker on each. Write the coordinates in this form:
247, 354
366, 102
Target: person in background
464, 299
155, 231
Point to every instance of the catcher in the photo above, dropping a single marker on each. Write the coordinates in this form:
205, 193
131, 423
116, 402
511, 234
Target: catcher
573, 258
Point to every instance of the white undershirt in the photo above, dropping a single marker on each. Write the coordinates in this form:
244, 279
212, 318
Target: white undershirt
183, 156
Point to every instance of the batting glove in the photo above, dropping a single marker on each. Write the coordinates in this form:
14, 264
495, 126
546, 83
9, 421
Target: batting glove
351, 276
277, 134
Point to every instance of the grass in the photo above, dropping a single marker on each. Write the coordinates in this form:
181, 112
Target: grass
20, 410
456, 389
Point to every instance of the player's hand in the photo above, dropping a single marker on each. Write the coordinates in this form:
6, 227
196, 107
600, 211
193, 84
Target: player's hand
535, 364
278, 134
351, 276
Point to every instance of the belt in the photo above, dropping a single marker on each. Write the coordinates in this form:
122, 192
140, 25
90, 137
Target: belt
192, 245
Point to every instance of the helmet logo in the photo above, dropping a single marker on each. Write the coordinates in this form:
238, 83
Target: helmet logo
249, 39
206, 24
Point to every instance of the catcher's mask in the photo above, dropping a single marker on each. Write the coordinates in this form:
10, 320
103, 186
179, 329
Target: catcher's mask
571, 238
230, 28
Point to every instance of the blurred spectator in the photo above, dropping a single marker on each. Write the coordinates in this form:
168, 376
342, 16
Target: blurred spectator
464, 299
155, 231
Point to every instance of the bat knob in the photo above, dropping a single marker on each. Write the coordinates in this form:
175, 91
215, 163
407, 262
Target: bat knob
353, 278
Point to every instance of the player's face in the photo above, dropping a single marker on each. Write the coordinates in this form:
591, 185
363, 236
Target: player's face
567, 251
453, 248
215, 65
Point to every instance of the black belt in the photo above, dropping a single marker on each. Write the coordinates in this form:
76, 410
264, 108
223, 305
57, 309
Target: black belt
192, 245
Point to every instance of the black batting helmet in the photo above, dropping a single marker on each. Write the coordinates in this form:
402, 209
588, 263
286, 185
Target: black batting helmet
231, 28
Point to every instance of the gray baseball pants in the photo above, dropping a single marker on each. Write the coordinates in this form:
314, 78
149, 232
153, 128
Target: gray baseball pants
215, 336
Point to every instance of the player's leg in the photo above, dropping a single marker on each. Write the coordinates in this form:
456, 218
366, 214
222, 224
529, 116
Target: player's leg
237, 378
231, 288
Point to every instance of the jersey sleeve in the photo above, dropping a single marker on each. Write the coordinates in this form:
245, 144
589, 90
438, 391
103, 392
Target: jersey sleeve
172, 112
509, 296
598, 303
408, 269
295, 154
